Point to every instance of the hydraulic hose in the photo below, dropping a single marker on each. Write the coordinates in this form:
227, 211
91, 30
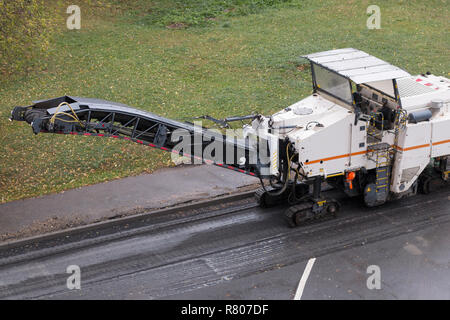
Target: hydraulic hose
286, 175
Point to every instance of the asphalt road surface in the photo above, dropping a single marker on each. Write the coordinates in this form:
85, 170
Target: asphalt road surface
239, 251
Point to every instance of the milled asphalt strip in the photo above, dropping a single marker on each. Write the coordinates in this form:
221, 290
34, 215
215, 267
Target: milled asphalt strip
90, 242
406, 223
302, 283
8, 245
336, 246
132, 232
126, 220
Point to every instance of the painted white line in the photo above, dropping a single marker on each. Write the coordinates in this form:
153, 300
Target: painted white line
302, 283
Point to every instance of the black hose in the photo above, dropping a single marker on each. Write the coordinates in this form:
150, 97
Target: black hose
285, 185
273, 185
294, 193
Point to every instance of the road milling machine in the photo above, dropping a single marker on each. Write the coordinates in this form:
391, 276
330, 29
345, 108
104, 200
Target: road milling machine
369, 128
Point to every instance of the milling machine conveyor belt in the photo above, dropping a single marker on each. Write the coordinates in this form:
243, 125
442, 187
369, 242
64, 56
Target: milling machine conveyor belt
95, 117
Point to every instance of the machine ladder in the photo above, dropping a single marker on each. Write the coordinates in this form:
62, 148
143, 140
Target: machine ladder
383, 153
380, 153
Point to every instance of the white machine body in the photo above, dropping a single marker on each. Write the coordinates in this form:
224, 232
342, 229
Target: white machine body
334, 135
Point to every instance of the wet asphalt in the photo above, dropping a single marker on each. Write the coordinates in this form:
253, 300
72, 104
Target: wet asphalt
240, 251
163, 188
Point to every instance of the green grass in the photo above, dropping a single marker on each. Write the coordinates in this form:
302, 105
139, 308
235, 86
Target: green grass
232, 65
181, 13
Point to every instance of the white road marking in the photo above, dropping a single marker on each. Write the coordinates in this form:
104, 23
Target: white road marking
302, 283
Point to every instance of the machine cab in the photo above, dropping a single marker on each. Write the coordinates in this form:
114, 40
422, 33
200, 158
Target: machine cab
358, 81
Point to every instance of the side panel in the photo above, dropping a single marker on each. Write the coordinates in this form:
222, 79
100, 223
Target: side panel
440, 137
413, 155
339, 147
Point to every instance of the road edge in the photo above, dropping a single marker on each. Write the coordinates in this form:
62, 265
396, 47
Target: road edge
8, 245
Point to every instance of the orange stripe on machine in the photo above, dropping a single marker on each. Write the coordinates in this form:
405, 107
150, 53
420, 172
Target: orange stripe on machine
441, 142
337, 157
364, 152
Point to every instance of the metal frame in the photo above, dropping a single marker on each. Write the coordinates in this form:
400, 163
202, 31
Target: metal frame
137, 126
362, 73
316, 88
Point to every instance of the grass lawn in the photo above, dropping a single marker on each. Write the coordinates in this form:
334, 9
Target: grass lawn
215, 61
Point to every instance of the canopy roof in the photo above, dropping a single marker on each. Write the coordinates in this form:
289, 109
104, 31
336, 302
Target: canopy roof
356, 65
